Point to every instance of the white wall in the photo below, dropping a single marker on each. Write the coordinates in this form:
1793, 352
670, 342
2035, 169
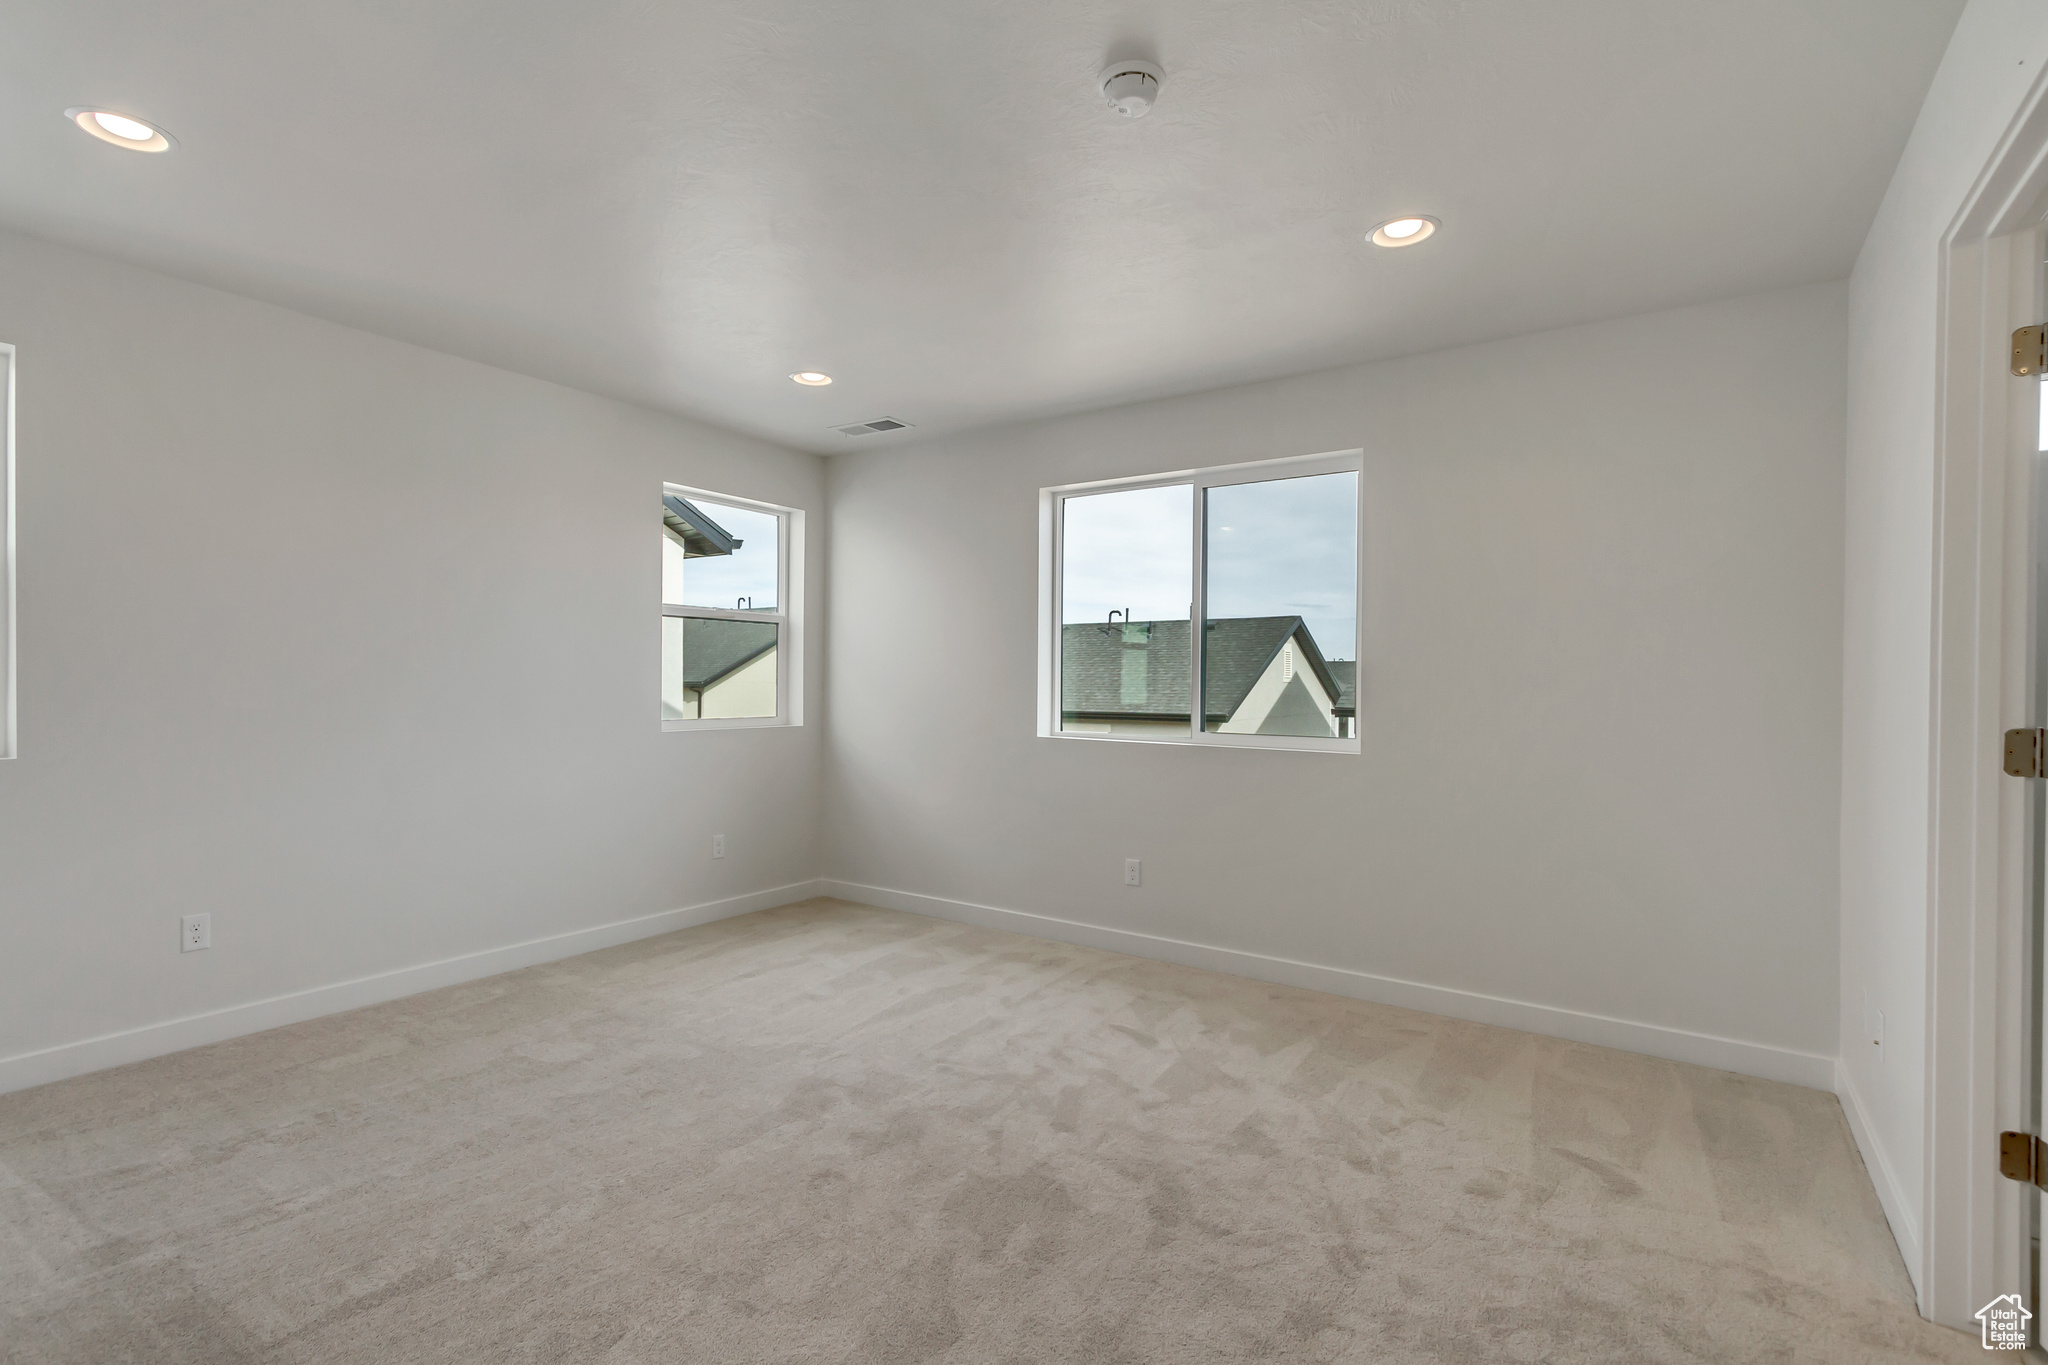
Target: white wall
1995, 55
1600, 694
352, 645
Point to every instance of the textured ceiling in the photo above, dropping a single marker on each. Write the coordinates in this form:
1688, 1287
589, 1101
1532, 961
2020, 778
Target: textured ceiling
681, 203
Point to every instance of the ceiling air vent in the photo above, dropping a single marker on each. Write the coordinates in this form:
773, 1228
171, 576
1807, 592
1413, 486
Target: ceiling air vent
870, 428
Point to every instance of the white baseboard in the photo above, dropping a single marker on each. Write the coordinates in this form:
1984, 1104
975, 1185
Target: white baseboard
1898, 1211
195, 1030
1727, 1054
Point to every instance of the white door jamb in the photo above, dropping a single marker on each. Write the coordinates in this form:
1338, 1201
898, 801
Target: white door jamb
1975, 1241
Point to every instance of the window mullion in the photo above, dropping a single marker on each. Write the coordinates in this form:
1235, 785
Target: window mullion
719, 614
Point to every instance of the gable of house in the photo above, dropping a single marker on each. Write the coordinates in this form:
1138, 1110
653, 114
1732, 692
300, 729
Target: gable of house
1140, 671
1295, 712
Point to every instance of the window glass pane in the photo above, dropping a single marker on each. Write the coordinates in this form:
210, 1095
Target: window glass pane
1279, 653
712, 669
1125, 587
713, 555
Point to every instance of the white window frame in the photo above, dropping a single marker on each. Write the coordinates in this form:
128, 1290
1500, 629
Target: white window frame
8, 737
1052, 563
789, 672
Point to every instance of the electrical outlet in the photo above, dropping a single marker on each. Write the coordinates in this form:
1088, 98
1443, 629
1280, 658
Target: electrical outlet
1134, 872
718, 845
195, 933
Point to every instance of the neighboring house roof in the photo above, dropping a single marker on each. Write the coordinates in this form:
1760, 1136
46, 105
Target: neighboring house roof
1141, 669
1345, 671
1096, 680
713, 648
701, 537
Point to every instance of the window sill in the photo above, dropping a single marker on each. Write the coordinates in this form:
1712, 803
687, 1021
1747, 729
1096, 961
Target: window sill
731, 723
1265, 743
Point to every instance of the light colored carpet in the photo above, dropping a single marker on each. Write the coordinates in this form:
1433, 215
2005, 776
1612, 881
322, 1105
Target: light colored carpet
834, 1133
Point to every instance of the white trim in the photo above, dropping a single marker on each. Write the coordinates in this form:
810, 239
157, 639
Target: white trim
1974, 1224
1298, 744
1808, 1069
726, 723
721, 614
1240, 471
1898, 1210
8, 650
196, 1030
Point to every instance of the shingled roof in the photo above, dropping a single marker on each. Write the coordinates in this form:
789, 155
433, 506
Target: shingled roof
1345, 671
1140, 670
713, 648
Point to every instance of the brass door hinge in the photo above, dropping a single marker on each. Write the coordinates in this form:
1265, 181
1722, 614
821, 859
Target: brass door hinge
2030, 350
2023, 1157
2026, 753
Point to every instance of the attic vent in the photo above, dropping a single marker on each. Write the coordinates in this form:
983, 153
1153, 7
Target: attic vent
868, 428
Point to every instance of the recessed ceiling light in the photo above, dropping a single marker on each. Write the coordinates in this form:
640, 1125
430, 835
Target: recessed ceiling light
121, 130
1404, 231
811, 377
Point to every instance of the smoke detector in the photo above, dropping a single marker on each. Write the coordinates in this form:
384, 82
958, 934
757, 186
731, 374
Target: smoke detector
1130, 87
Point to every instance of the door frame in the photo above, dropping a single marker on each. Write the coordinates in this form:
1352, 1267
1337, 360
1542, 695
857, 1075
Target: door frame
1977, 1226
